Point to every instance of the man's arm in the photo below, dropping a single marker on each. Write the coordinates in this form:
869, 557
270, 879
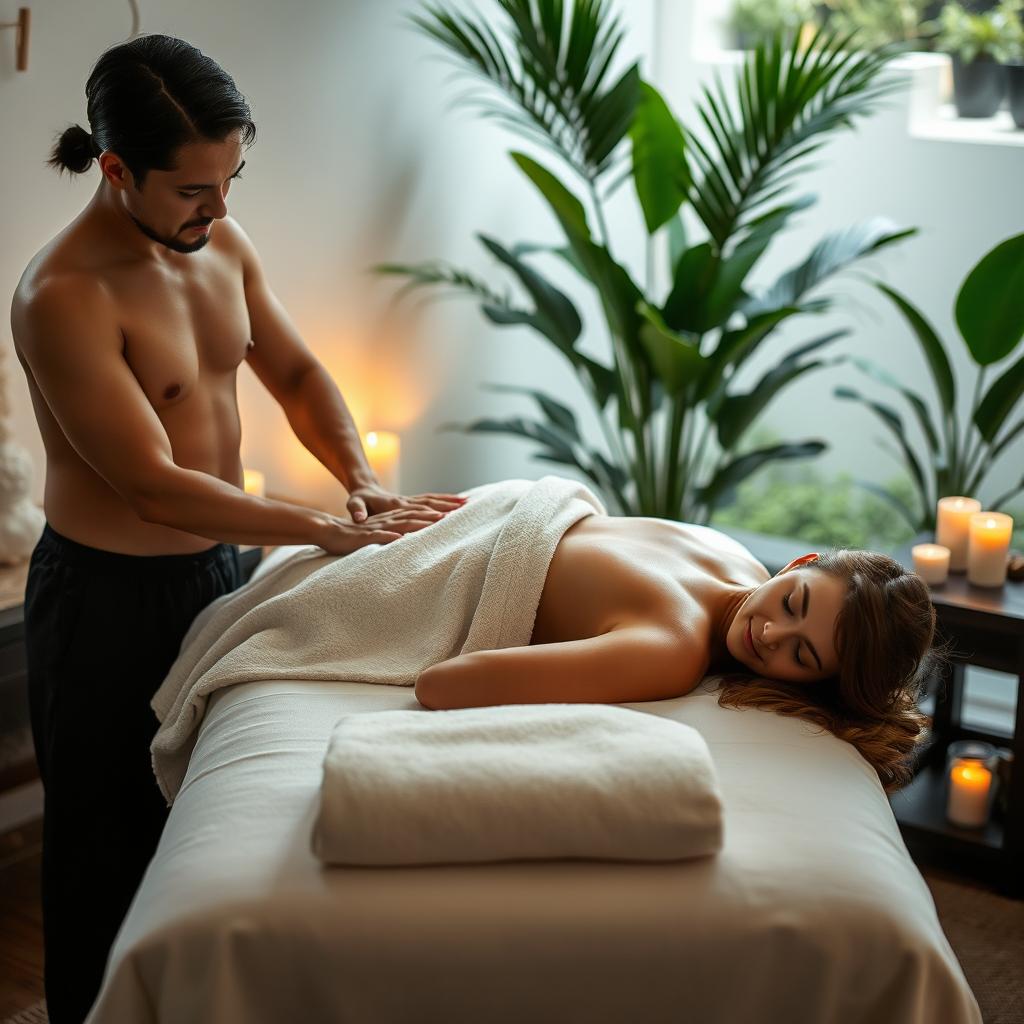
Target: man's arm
315, 408
70, 342
632, 663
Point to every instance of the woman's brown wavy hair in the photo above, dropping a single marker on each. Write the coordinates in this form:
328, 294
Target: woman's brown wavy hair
884, 636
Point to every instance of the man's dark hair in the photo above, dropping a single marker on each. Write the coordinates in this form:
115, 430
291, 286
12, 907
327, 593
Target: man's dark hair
147, 98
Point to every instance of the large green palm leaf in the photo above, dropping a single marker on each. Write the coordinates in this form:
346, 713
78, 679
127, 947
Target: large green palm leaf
790, 96
553, 67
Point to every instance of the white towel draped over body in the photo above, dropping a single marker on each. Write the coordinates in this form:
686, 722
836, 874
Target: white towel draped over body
516, 782
382, 614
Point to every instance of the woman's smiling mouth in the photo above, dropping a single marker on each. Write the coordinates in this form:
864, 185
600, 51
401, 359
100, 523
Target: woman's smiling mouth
749, 638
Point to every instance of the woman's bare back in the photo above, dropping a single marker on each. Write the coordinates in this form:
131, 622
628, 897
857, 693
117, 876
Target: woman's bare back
609, 571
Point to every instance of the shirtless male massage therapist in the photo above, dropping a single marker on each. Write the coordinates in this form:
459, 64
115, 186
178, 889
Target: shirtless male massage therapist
130, 325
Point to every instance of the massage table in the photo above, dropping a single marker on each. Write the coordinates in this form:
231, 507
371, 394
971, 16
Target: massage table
812, 913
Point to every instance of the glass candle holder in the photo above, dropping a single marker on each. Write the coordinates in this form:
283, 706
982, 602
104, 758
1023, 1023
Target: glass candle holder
970, 768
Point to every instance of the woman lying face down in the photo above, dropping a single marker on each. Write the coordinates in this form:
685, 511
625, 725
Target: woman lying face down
638, 609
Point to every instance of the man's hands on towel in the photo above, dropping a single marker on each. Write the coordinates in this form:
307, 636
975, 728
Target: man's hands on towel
365, 501
391, 517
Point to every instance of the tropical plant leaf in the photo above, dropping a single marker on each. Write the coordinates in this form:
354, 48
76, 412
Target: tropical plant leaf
894, 423
520, 426
931, 347
660, 170
437, 273
915, 521
559, 415
618, 293
789, 98
999, 401
917, 403
722, 485
551, 73
737, 412
555, 317
989, 311
833, 253
675, 357
737, 345
693, 280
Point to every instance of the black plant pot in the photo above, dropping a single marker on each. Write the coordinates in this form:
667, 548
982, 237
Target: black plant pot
1015, 90
978, 86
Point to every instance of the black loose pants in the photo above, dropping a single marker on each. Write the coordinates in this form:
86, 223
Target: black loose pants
101, 632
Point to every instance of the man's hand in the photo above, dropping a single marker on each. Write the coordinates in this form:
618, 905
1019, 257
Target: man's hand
372, 498
340, 537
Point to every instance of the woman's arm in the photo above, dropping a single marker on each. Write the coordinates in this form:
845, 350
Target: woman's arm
627, 664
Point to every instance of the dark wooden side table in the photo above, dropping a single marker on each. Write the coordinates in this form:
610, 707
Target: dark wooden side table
986, 625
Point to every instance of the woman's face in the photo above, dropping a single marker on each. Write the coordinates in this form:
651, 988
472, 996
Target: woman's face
783, 630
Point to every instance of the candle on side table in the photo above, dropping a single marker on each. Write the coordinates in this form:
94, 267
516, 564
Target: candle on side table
988, 548
951, 528
969, 785
931, 562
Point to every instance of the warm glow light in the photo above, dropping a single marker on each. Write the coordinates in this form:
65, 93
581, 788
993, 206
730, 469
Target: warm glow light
382, 453
988, 548
951, 526
931, 562
255, 483
969, 785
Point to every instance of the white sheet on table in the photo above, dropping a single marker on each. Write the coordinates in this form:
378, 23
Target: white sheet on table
812, 912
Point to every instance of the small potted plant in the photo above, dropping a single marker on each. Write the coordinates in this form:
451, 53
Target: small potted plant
751, 20
978, 45
1015, 63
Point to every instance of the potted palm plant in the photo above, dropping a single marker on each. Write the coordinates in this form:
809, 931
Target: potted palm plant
952, 460
978, 45
673, 418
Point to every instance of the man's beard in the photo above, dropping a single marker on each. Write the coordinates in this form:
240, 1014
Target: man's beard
170, 243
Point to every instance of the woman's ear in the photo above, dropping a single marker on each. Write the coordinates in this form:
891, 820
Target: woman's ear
802, 560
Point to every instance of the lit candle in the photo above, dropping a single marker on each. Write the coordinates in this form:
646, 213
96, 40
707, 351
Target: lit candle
382, 450
931, 562
952, 522
988, 549
969, 784
254, 482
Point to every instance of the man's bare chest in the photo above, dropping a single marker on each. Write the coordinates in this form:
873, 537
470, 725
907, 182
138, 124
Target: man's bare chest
182, 329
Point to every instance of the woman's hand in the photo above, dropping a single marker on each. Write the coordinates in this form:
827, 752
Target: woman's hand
364, 501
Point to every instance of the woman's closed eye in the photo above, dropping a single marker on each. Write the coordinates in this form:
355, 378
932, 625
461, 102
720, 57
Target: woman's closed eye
796, 650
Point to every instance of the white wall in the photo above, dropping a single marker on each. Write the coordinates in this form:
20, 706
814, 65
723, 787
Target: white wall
360, 159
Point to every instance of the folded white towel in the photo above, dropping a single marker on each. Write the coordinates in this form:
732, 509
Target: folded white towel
516, 782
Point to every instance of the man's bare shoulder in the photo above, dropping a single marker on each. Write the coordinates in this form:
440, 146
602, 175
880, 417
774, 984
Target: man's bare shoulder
233, 239
63, 258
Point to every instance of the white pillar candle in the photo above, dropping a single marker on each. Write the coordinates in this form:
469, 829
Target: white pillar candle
382, 451
931, 562
254, 482
969, 784
988, 548
952, 521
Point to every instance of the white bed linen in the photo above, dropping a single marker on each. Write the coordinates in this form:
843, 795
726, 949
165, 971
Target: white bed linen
813, 912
